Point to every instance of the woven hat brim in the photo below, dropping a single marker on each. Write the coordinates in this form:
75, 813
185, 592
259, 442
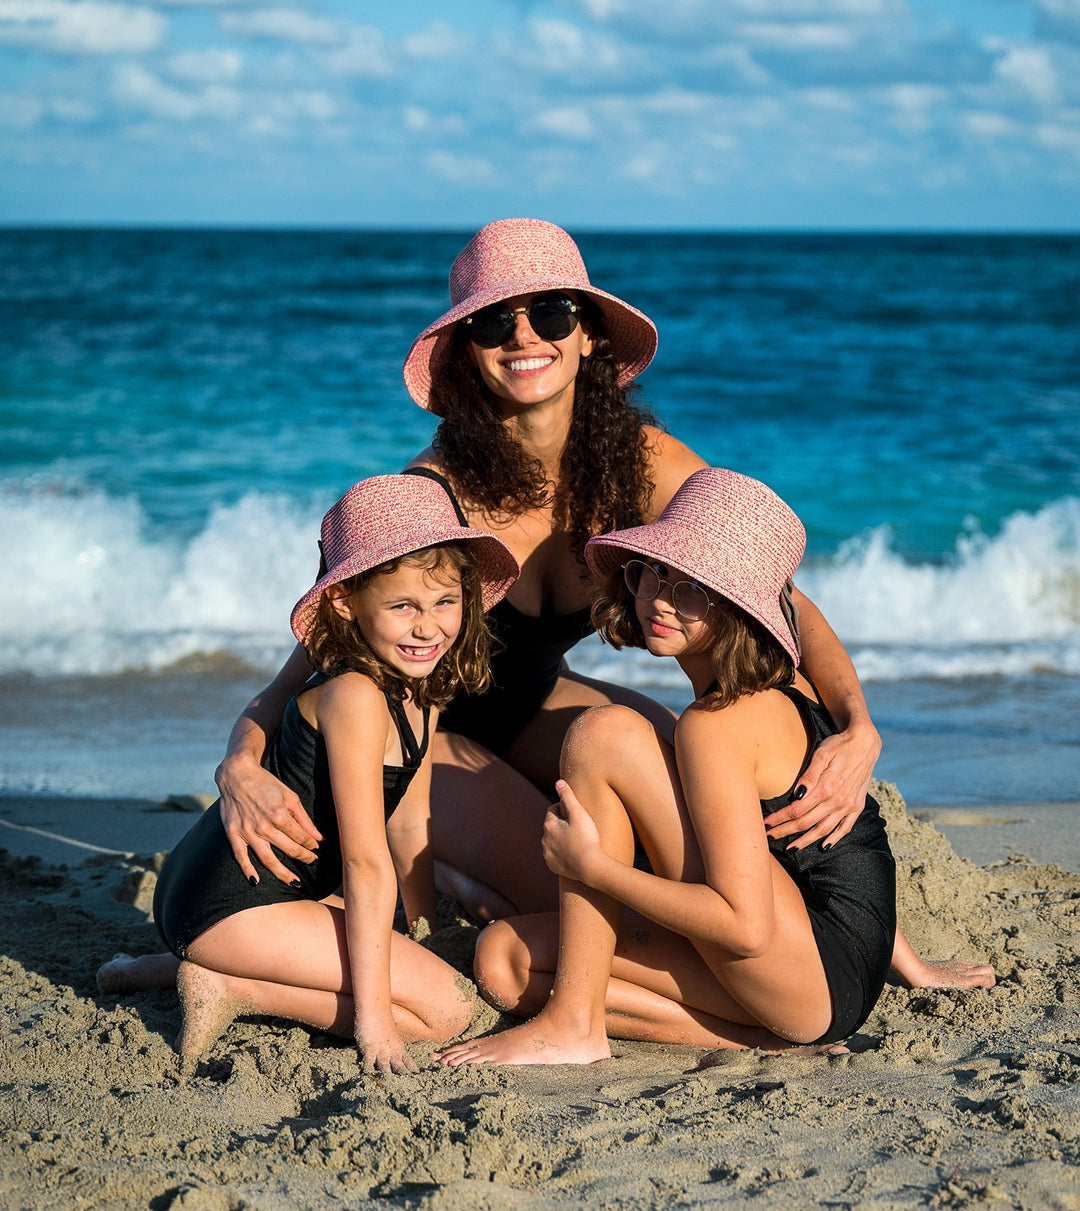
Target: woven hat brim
631, 333
608, 552
498, 570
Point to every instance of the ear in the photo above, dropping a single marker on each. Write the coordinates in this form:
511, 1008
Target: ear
340, 600
586, 341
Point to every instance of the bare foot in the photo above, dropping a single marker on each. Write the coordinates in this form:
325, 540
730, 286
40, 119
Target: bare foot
130, 973
949, 973
208, 1006
535, 1042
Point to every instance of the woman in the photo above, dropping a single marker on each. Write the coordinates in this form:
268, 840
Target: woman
540, 443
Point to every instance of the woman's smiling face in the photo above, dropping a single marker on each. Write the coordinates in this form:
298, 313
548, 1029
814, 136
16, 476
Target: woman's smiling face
526, 370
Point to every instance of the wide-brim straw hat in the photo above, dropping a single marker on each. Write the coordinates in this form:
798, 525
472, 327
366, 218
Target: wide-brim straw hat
523, 256
388, 516
726, 531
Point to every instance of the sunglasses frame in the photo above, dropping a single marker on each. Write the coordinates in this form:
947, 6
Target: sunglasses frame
509, 317
674, 585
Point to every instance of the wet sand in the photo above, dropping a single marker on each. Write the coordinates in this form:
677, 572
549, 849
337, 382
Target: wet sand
948, 1098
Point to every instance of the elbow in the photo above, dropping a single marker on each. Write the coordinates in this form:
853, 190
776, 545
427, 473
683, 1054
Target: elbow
749, 939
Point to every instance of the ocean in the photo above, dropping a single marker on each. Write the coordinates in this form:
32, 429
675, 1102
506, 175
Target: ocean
179, 408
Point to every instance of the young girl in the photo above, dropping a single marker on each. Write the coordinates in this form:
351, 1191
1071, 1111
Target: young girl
393, 630
731, 939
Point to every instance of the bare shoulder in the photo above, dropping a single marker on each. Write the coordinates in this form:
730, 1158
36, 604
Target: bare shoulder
428, 458
743, 723
347, 698
670, 463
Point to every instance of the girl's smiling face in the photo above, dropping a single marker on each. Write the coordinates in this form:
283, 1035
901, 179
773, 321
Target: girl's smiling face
527, 370
409, 617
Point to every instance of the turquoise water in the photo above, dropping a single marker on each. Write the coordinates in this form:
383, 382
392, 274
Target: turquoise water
177, 409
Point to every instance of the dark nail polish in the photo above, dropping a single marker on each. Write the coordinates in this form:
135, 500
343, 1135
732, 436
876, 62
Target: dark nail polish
253, 881
826, 845
800, 792
294, 883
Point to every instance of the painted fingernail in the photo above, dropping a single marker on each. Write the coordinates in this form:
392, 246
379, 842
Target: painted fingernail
294, 883
800, 792
253, 881
826, 845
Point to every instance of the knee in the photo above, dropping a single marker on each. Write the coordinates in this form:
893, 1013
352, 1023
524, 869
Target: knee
602, 734
501, 966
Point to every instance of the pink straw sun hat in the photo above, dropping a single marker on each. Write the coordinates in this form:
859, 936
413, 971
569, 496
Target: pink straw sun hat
524, 256
727, 531
388, 516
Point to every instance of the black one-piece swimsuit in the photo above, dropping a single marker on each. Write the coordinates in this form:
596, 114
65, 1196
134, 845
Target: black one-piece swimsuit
201, 883
849, 891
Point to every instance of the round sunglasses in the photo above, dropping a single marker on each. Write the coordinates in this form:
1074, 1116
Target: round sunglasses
551, 316
690, 599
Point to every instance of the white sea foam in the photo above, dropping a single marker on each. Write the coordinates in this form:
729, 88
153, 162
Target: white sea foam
89, 586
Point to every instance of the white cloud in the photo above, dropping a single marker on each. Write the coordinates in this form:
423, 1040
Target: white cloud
136, 88
562, 48
1029, 68
211, 65
988, 125
418, 120
361, 51
438, 41
80, 27
806, 36
1058, 137
470, 171
283, 25
565, 122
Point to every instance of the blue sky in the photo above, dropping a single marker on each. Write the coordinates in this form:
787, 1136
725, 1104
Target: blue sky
594, 113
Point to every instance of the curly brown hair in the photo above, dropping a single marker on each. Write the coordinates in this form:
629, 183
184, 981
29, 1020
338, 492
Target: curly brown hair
337, 645
746, 658
604, 481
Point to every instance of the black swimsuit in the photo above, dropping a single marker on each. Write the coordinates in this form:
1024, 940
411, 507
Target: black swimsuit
526, 661
201, 882
849, 891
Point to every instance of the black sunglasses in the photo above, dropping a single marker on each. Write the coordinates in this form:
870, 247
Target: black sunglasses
551, 317
689, 599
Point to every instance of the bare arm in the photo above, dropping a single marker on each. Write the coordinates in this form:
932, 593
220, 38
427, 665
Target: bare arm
838, 777
257, 810
355, 723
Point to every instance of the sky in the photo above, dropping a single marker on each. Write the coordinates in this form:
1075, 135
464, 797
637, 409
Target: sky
604, 114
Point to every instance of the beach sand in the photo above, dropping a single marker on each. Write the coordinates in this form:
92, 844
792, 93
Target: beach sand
949, 1099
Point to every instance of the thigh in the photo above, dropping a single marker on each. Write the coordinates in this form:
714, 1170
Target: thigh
487, 820
536, 750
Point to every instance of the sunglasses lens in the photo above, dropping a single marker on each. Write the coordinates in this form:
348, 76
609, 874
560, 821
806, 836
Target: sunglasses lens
490, 326
641, 580
690, 600
553, 317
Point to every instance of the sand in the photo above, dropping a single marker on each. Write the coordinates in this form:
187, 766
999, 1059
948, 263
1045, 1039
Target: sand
948, 1099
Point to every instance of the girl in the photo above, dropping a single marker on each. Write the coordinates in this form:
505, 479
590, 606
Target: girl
393, 629
732, 940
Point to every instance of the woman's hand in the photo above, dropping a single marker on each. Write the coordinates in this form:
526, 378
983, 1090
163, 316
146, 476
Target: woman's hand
258, 811
836, 783
571, 838
382, 1051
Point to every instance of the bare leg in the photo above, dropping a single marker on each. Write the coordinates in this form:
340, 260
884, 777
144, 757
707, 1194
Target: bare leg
291, 961
487, 814
624, 773
130, 973
938, 973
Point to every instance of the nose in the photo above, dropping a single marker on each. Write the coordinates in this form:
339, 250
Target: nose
523, 332
666, 594
424, 626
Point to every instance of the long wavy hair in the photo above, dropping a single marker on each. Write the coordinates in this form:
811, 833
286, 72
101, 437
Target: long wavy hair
336, 645
745, 657
604, 481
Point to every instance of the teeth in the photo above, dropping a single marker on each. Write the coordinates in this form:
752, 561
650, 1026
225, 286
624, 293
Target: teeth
530, 363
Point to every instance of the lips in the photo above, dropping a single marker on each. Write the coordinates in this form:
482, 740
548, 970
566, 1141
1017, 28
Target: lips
428, 652
661, 629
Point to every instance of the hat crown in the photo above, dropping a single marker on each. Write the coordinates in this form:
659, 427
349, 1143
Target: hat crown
745, 526
382, 512
515, 250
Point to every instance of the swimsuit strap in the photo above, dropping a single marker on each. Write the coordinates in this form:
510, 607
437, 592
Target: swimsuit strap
411, 752
443, 483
